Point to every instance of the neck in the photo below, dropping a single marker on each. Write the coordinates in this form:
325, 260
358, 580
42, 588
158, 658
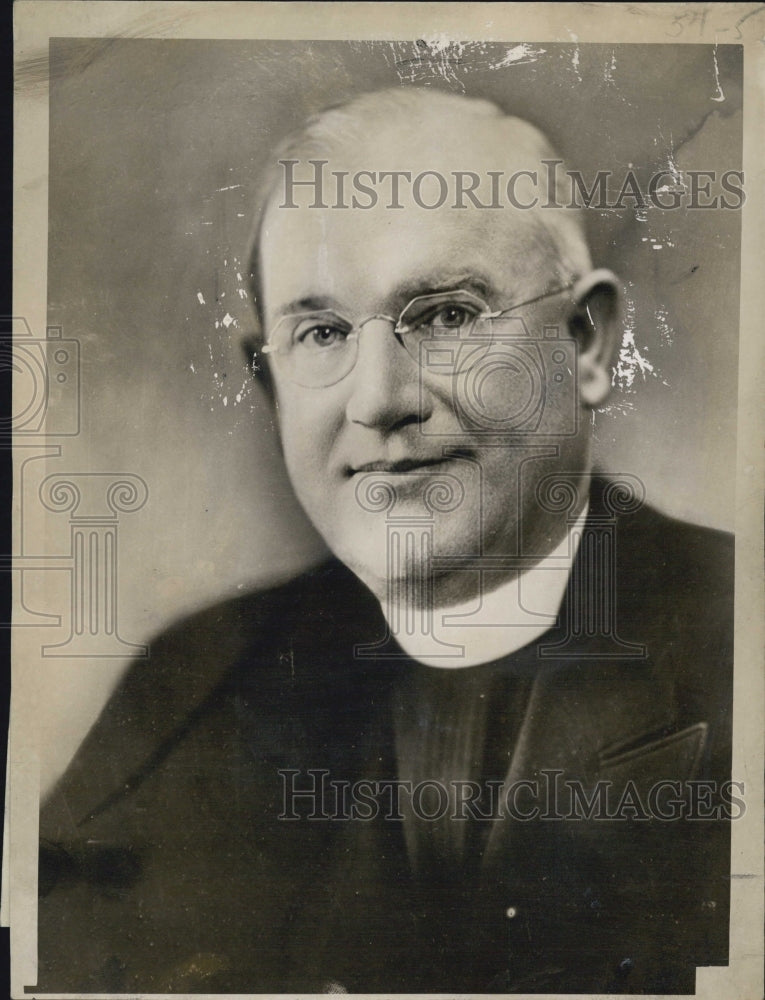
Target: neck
426, 589
495, 613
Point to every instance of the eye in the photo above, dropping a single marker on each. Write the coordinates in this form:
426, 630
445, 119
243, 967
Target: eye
452, 315
319, 335
446, 313
454, 318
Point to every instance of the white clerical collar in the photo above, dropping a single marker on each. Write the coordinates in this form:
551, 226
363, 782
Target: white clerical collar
494, 624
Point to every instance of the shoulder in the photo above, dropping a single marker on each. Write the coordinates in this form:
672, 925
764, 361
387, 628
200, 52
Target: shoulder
659, 556
190, 664
680, 575
687, 555
189, 659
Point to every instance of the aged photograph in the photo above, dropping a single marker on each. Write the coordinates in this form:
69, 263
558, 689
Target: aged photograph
376, 461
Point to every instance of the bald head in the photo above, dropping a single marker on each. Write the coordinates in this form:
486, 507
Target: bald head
432, 137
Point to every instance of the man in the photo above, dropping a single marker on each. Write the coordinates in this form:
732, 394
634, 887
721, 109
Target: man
483, 749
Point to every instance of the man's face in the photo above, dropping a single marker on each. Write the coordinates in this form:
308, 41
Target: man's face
389, 421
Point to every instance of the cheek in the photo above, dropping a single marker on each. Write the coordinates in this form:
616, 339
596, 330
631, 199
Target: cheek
308, 427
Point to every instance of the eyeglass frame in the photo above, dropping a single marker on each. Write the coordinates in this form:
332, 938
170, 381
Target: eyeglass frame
356, 328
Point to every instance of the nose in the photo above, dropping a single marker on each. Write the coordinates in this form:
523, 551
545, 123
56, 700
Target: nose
384, 384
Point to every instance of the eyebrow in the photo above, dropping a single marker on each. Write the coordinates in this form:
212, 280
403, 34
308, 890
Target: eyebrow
471, 281
479, 284
308, 303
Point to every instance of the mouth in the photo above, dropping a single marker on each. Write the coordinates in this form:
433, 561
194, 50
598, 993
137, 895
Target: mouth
404, 465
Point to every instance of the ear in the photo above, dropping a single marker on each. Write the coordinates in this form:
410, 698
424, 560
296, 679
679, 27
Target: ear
596, 326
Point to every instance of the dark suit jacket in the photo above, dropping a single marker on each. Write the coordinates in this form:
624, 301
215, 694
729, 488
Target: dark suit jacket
164, 866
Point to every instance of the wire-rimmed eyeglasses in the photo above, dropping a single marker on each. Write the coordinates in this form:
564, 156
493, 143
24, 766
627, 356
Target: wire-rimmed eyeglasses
317, 349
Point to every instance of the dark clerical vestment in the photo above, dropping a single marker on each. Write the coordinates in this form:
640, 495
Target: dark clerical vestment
258, 809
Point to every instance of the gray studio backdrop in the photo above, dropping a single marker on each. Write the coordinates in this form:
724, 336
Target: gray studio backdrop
156, 148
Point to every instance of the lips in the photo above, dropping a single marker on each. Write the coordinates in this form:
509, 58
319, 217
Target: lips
409, 463
395, 468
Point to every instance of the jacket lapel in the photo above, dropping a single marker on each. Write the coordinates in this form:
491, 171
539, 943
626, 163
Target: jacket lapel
588, 722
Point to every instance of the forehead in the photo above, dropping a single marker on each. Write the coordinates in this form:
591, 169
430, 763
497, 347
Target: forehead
365, 256
374, 258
